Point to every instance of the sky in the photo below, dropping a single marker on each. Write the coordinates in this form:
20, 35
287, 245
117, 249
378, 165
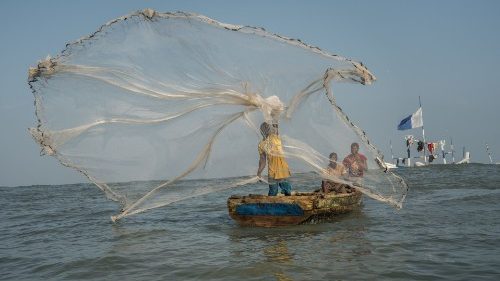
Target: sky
446, 52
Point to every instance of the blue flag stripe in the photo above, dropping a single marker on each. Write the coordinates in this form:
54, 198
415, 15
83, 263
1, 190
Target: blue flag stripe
405, 124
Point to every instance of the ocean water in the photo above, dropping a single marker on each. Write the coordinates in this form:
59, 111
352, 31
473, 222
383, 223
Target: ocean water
448, 229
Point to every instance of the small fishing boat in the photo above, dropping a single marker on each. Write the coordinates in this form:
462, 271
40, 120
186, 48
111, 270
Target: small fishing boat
300, 207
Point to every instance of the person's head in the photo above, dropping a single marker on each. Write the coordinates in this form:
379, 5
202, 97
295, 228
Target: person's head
274, 128
265, 129
354, 148
333, 157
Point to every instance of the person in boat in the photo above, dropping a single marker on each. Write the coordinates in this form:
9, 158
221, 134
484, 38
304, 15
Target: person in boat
337, 170
356, 163
271, 151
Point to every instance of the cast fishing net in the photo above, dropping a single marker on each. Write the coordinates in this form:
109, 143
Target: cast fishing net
154, 98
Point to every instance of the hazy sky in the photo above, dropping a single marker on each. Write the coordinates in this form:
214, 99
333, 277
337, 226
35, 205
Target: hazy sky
448, 52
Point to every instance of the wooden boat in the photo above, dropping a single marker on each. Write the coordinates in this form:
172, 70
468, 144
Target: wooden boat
301, 207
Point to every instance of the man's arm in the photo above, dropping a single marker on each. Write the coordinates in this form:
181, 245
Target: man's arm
262, 164
343, 170
365, 162
345, 162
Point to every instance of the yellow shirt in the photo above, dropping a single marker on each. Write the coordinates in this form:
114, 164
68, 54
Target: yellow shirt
276, 163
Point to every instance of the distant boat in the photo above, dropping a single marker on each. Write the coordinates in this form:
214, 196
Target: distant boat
489, 155
302, 207
390, 165
466, 159
427, 151
415, 120
419, 164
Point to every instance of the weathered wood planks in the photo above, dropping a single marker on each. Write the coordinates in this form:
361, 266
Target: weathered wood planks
270, 211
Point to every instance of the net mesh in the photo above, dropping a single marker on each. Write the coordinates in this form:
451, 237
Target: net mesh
151, 98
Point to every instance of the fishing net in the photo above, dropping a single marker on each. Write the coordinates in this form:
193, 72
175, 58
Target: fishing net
152, 98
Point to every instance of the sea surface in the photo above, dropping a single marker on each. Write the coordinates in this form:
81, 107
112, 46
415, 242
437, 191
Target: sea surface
448, 229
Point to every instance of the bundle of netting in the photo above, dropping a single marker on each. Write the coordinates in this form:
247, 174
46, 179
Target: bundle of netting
152, 99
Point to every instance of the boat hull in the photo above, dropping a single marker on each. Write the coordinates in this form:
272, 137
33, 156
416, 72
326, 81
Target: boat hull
271, 211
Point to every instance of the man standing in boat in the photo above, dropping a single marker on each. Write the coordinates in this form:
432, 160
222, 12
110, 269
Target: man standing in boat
271, 150
356, 163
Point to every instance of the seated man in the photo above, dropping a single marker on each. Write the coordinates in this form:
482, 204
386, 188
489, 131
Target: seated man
337, 170
355, 162
270, 149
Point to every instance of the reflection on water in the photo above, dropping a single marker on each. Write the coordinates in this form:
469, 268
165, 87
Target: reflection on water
278, 255
304, 252
349, 243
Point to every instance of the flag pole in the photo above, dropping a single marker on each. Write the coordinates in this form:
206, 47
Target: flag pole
392, 154
452, 151
423, 132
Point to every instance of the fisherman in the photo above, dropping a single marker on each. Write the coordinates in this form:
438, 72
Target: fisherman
337, 170
355, 162
270, 149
